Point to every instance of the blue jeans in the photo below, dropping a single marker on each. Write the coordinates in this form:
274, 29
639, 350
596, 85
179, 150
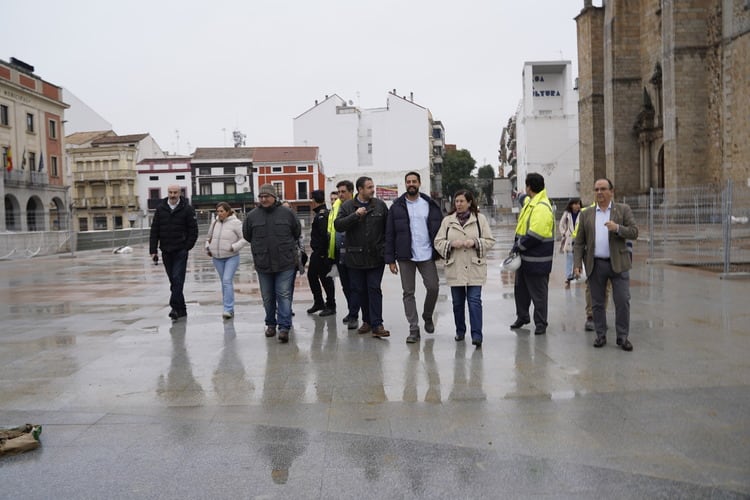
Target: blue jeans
226, 269
568, 265
276, 290
472, 295
366, 294
175, 263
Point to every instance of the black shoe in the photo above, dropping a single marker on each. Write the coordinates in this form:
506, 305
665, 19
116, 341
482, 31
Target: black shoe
625, 345
283, 336
270, 331
458, 338
589, 326
540, 331
173, 314
328, 311
413, 338
429, 326
347, 319
352, 324
519, 324
600, 342
477, 343
315, 308
178, 315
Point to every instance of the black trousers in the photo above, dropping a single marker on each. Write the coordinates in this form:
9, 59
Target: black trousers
531, 288
318, 267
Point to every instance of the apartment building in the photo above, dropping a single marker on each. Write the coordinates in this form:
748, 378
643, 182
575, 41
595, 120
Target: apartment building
32, 145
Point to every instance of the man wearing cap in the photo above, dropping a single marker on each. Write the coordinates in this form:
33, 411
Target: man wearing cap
320, 265
273, 232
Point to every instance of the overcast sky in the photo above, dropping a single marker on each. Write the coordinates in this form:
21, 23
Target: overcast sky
205, 68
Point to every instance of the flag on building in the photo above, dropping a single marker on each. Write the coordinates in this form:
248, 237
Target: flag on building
41, 162
23, 159
8, 159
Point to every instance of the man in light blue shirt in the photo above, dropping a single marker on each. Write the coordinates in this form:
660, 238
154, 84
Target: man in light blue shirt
413, 222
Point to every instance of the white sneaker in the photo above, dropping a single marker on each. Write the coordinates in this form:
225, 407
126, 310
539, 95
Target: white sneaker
227, 315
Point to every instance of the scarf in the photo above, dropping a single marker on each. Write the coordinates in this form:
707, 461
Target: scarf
463, 217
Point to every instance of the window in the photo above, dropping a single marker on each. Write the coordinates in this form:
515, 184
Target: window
118, 221
154, 194
301, 168
204, 171
100, 223
436, 133
206, 189
4, 118
52, 129
279, 187
369, 148
153, 177
83, 224
32, 160
228, 170
276, 170
302, 193
230, 188
180, 177
29, 122
53, 166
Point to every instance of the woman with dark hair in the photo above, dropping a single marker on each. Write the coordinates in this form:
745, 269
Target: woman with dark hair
464, 239
566, 228
223, 245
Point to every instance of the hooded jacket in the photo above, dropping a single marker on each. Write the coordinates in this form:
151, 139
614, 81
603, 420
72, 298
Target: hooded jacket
225, 238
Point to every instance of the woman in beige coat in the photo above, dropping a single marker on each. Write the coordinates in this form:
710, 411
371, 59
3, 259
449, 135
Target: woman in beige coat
463, 241
223, 244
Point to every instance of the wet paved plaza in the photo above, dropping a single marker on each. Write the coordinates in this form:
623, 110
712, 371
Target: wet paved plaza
135, 406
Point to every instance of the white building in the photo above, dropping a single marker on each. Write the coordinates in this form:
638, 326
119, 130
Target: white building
547, 128
382, 143
155, 175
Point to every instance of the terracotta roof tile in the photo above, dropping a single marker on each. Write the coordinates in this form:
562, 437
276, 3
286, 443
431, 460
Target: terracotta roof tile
285, 154
223, 153
80, 138
119, 139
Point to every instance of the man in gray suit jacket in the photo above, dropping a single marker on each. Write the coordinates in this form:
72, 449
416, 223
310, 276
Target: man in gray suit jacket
601, 244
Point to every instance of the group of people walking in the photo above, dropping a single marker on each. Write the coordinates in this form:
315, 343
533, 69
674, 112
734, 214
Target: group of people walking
360, 235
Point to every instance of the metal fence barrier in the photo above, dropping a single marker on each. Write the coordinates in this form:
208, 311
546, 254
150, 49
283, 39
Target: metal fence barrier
702, 226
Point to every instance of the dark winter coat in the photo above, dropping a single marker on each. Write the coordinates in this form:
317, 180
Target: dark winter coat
173, 230
398, 230
364, 242
319, 231
273, 234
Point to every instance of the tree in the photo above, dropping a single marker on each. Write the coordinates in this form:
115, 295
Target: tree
485, 176
457, 168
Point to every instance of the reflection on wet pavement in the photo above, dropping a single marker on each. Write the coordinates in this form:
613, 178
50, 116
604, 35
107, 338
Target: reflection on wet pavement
87, 349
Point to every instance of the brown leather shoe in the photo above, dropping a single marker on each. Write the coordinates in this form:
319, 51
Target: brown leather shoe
270, 331
365, 328
625, 345
380, 331
283, 336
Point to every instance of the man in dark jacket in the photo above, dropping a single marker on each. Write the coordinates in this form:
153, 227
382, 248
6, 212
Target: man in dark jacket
273, 232
320, 265
413, 222
174, 230
364, 218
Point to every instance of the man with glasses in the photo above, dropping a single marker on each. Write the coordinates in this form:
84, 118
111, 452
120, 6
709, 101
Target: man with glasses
174, 230
273, 232
601, 243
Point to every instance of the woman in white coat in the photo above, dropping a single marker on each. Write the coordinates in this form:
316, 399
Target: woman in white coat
464, 239
566, 227
223, 244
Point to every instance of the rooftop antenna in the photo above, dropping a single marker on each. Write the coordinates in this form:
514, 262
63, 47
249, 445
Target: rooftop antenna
224, 131
177, 147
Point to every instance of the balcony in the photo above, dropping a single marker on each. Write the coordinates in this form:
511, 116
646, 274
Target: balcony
106, 202
104, 175
213, 199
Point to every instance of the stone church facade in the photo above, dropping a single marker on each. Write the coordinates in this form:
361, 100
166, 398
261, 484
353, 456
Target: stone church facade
664, 93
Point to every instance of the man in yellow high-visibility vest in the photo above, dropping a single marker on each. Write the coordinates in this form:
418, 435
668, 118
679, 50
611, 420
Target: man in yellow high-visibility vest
345, 190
